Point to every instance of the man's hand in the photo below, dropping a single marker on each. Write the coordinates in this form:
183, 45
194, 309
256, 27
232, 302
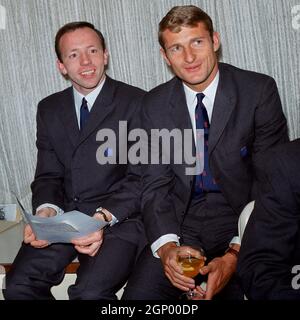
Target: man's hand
29, 236
173, 271
91, 243
219, 271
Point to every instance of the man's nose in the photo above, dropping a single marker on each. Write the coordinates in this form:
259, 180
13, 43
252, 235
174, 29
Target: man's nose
189, 55
85, 59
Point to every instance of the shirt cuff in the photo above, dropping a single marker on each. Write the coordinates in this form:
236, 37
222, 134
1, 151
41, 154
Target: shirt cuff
58, 210
163, 240
235, 240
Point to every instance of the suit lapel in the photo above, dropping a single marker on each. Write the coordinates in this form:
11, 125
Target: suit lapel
181, 117
68, 115
224, 105
178, 107
101, 108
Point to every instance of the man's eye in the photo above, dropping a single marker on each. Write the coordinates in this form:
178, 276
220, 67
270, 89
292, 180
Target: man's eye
197, 43
175, 49
94, 50
72, 56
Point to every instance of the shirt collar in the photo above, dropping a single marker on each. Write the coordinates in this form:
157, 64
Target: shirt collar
90, 98
209, 92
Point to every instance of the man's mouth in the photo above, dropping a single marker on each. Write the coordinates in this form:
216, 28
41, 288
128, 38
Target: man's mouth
193, 68
88, 72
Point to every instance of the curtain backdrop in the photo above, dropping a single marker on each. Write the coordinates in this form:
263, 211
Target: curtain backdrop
263, 36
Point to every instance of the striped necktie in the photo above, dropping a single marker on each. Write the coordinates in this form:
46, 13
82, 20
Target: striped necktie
204, 181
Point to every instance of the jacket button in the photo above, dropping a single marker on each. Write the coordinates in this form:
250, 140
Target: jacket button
76, 199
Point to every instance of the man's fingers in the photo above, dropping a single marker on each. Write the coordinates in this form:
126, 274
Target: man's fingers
29, 238
27, 230
173, 264
39, 244
178, 284
28, 234
179, 280
83, 250
96, 250
205, 270
85, 241
90, 244
90, 250
200, 290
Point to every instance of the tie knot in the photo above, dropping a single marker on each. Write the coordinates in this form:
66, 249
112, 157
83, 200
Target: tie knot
84, 104
200, 97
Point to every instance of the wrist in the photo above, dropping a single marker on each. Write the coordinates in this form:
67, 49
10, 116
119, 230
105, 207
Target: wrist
165, 248
232, 251
105, 214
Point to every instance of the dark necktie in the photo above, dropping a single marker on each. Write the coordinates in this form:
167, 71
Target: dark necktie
84, 113
204, 181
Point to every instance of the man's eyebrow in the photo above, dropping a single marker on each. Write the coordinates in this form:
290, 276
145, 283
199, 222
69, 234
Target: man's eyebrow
88, 47
173, 45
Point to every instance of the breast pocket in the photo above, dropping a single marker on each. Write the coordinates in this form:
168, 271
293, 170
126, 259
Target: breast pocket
237, 153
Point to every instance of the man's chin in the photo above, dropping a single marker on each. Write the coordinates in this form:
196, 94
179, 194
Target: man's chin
194, 81
90, 85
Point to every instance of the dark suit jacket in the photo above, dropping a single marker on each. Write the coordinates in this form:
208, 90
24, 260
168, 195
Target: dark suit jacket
247, 119
67, 172
271, 242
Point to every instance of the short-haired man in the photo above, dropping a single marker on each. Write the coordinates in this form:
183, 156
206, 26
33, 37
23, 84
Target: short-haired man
241, 115
68, 177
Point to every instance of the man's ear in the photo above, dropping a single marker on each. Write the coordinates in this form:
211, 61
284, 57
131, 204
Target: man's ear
106, 57
163, 54
216, 41
61, 68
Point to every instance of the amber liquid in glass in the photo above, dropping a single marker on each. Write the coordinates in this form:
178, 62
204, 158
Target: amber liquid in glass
190, 265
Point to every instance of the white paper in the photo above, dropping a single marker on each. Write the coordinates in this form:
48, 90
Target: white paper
62, 228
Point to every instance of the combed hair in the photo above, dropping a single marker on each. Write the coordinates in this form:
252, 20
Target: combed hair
184, 16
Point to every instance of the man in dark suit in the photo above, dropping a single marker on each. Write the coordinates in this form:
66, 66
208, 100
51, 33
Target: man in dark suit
69, 176
241, 117
269, 261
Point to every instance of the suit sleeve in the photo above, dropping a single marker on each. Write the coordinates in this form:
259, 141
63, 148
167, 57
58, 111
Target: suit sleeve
270, 129
47, 186
268, 245
270, 122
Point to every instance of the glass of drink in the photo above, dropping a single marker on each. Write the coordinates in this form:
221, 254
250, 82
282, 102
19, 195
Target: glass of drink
190, 259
